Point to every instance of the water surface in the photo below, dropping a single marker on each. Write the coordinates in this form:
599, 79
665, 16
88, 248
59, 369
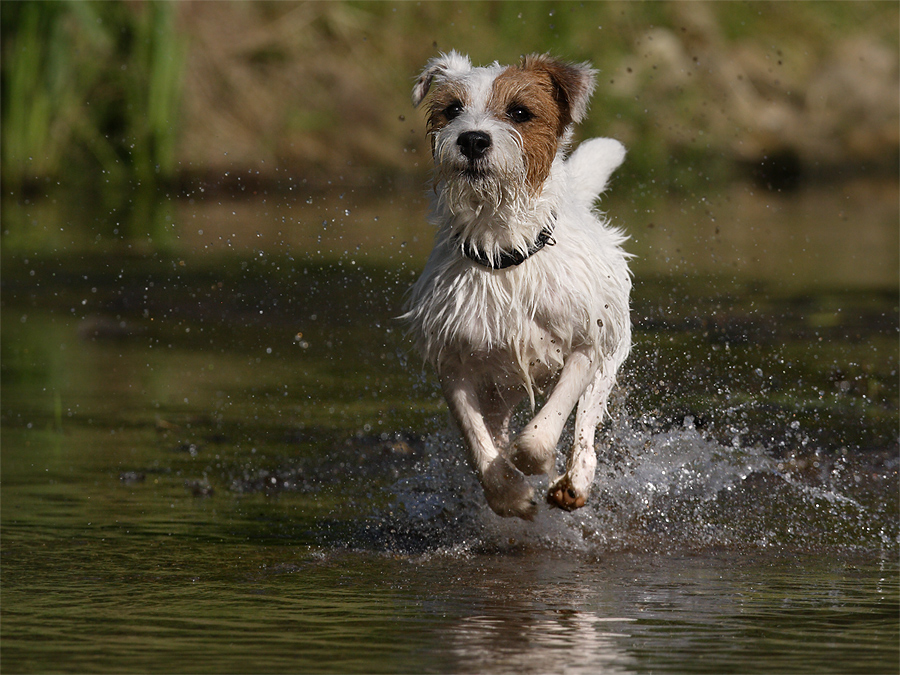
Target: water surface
224, 457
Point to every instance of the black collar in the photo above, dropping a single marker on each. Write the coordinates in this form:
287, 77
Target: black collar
515, 257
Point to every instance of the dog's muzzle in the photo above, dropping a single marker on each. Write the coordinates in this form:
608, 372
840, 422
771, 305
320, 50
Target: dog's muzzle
473, 144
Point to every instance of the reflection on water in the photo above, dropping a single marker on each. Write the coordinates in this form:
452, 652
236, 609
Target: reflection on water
624, 614
581, 641
832, 238
845, 237
840, 237
232, 463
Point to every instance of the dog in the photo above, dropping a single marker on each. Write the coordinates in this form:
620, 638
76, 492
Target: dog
526, 291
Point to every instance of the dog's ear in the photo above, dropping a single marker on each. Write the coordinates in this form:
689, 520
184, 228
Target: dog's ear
443, 67
574, 83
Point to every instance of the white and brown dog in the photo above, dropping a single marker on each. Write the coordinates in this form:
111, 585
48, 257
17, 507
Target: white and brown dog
527, 286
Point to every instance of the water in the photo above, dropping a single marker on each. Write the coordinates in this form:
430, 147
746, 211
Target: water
225, 458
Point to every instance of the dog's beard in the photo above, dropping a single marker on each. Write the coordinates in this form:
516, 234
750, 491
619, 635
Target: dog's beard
493, 186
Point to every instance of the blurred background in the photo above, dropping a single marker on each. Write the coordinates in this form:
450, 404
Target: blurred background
130, 103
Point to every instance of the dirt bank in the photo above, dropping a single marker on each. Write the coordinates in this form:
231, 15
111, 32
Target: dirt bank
789, 90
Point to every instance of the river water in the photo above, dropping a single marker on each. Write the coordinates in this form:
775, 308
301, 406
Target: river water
224, 457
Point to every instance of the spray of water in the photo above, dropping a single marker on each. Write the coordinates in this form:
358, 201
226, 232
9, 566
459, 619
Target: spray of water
656, 490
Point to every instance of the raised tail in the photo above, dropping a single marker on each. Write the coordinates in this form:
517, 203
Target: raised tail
591, 165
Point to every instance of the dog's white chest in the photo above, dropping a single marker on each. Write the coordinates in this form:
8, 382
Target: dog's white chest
463, 309
502, 310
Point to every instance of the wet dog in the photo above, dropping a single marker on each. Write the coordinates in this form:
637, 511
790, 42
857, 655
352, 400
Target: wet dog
527, 289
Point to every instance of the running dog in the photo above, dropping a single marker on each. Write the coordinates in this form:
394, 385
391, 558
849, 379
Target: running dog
527, 289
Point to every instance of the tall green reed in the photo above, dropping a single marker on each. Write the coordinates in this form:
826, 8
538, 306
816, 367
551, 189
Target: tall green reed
90, 99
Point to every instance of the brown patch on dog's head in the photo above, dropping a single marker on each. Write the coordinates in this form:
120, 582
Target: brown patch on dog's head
541, 97
573, 84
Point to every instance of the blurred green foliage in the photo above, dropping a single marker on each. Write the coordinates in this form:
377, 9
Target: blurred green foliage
89, 89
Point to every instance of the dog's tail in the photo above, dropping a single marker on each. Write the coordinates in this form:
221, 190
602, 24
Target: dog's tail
591, 165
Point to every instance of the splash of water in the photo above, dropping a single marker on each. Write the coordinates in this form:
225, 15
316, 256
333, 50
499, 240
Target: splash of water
656, 490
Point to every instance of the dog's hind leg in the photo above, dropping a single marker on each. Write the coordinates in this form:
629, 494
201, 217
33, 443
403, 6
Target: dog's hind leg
534, 450
505, 488
570, 491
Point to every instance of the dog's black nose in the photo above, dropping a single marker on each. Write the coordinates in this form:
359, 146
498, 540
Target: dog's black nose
473, 144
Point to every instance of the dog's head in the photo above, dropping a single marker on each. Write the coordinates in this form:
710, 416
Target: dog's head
498, 128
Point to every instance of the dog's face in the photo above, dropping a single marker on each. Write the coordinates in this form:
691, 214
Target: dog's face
498, 128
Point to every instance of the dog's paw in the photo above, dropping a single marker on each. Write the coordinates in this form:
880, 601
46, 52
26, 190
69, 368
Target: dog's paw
507, 492
532, 454
564, 495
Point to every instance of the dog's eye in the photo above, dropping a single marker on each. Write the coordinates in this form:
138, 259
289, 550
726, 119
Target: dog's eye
519, 113
453, 110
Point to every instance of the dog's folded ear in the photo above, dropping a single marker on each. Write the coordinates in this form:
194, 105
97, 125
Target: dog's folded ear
443, 67
574, 84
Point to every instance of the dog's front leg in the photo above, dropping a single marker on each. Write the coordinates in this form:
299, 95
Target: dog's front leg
570, 491
505, 488
534, 450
